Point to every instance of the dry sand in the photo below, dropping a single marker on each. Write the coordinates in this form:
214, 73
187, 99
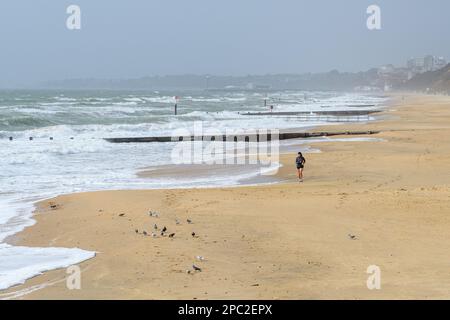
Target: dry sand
283, 241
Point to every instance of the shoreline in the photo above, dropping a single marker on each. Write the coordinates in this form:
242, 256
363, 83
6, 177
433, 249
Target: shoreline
360, 183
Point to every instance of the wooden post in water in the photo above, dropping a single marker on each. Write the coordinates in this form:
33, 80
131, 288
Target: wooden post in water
176, 105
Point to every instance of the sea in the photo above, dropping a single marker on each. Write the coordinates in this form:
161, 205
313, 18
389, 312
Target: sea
52, 142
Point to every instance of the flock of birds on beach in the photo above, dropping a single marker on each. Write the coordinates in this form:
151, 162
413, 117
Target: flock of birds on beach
163, 232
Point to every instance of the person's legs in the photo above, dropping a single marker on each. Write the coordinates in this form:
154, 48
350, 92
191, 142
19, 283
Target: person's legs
300, 173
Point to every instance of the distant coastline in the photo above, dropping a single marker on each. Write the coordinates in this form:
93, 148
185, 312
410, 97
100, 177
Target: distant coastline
374, 80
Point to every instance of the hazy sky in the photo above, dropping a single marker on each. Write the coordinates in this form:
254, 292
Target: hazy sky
134, 38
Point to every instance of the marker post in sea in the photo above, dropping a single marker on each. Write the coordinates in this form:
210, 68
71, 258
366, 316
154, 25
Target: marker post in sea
176, 105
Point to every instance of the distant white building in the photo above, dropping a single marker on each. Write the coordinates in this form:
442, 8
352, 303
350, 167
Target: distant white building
416, 64
427, 63
440, 63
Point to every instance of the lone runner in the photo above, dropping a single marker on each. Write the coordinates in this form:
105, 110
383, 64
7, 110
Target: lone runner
300, 162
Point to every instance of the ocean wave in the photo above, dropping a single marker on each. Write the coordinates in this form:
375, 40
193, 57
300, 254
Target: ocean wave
164, 99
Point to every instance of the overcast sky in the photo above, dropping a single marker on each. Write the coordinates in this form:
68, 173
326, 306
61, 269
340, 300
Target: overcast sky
135, 38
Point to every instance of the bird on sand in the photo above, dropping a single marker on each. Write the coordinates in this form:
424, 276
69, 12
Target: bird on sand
352, 237
144, 233
164, 229
177, 221
200, 258
189, 221
154, 235
193, 234
153, 214
155, 227
137, 231
171, 235
196, 268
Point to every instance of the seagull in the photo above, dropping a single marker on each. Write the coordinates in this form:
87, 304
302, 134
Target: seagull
155, 227
189, 220
193, 234
153, 214
121, 215
352, 237
200, 258
162, 234
171, 235
177, 221
137, 231
196, 268
164, 229
144, 233
154, 235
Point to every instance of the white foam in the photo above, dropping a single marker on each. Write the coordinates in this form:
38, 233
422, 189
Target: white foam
17, 264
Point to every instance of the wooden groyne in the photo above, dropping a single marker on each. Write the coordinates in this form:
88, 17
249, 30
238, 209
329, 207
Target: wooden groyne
320, 113
250, 137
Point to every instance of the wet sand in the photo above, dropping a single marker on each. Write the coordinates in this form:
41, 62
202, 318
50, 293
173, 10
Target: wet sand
279, 241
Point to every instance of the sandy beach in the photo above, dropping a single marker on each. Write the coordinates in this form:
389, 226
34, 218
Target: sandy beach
277, 241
